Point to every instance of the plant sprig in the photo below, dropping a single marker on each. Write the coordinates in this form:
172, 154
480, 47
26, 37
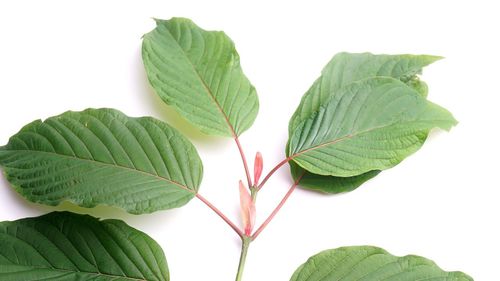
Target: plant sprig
366, 113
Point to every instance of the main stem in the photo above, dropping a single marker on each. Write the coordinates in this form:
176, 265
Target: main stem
247, 239
245, 242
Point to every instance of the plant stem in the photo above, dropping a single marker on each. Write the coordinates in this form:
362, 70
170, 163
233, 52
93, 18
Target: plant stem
244, 160
245, 243
253, 193
273, 171
276, 210
218, 212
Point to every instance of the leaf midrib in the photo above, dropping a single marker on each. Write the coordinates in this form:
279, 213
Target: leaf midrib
205, 86
107, 164
349, 136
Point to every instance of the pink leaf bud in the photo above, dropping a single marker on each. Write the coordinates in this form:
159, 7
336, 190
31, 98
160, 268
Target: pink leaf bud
257, 169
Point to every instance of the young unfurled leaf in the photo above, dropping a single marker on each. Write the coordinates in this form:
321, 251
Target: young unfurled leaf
257, 168
368, 125
101, 156
369, 263
65, 247
248, 212
198, 72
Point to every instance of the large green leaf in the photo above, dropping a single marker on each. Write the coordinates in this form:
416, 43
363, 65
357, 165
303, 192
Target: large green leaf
198, 72
101, 156
369, 125
66, 247
345, 68
367, 263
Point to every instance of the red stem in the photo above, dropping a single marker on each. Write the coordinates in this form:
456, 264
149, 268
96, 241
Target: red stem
243, 158
218, 212
273, 171
276, 210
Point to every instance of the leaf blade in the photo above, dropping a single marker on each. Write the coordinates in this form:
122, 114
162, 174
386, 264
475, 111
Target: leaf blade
372, 124
101, 156
198, 72
66, 246
368, 263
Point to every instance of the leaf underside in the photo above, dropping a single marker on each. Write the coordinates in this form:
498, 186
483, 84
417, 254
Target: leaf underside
198, 72
329, 184
343, 70
64, 246
101, 156
367, 263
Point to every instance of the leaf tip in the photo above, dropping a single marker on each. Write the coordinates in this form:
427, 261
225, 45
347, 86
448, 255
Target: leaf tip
432, 58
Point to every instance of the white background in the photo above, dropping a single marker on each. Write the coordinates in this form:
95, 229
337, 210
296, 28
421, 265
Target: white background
441, 203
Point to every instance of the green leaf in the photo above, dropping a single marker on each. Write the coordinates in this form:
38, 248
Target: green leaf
329, 184
198, 72
367, 263
101, 156
66, 247
343, 69
369, 125
346, 68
